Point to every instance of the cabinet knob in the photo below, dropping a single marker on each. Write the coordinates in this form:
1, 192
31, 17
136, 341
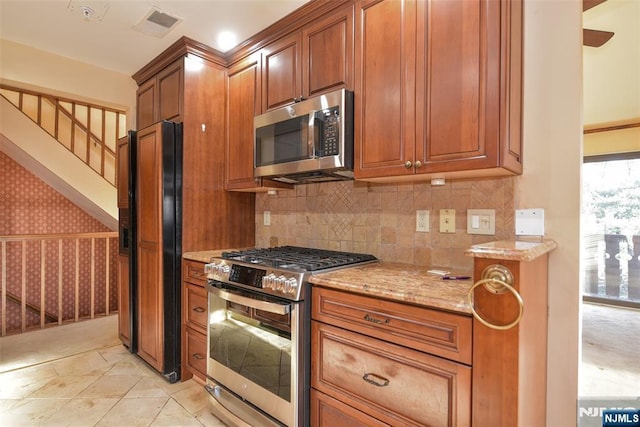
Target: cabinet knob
408, 165
418, 164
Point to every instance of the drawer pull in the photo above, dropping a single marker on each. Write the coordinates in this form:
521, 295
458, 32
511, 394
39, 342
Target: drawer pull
198, 309
377, 321
197, 273
376, 380
197, 356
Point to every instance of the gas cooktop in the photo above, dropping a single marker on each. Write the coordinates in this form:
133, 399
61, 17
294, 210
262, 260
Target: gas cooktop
296, 258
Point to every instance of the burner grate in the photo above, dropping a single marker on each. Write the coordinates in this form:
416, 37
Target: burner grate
298, 258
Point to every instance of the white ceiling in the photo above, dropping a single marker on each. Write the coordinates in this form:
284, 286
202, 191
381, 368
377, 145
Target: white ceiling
108, 40
612, 71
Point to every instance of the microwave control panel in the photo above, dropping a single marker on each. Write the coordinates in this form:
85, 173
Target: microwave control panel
330, 132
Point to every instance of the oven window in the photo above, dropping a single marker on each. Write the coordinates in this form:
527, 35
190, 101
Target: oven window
283, 141
253, 343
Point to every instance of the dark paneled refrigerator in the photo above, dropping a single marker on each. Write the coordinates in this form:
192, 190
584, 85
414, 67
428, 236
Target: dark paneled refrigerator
155, 245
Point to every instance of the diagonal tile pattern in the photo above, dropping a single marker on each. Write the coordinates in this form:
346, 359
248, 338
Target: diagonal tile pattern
104, 386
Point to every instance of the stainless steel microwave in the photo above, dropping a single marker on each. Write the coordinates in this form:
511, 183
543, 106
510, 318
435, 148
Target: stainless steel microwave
309, 141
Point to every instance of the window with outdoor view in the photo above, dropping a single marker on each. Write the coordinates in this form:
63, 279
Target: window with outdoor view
611, 230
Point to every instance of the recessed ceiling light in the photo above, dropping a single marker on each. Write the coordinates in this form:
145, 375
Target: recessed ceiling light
226, 40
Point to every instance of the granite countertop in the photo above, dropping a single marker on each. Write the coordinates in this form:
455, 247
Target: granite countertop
203, 256
512, 250
403, 283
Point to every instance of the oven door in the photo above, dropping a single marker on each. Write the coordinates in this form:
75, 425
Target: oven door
255, 351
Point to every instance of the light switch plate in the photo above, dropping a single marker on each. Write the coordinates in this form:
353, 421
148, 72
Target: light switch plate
266, 218
447, 220
530, 222
481, 221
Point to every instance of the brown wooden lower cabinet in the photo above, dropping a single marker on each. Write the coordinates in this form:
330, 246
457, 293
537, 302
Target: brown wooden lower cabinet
327, 411
194, 321
373, 381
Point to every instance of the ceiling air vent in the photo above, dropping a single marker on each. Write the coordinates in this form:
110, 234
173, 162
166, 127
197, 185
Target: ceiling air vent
157, 23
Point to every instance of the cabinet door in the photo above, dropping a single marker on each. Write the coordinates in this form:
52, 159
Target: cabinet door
147, 104
394, 384
281, 72
196, 352
122, 174
326, 411
458, 74
170, 93
149, 246
243, 86
327, 52
124, 321
384, 81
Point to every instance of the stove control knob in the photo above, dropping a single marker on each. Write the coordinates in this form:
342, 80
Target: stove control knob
268, 281
219, 269
280, 283
290, 285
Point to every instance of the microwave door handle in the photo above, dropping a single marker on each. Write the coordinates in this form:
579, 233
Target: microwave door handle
250, 302
311, 148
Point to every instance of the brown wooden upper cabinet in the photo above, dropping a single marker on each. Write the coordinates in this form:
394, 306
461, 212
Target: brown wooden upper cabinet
438, 92
161, 97
315, 60
306, 63
243, 103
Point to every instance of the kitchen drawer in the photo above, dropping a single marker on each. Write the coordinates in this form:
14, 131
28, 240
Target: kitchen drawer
196, 352
195, 306
432, 331
394, 384
327, 411
194, 272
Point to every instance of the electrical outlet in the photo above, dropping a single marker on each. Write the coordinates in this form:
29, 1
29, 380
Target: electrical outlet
481, 221
422, 221
447, 220
266, 218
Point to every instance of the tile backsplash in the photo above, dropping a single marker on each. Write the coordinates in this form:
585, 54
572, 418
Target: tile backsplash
380, 219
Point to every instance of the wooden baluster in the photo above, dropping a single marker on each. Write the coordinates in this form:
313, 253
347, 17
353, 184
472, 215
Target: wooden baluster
60, 282
77, 284
106, 278
93, 276
4, 288
42, 284
23, 291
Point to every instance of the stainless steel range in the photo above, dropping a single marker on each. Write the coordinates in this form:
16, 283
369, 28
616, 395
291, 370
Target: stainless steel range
258, 360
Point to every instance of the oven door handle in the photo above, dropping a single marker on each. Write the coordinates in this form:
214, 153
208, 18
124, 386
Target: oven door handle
270, 307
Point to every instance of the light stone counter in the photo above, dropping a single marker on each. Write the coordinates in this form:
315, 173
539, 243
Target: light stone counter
203, 256
512, 250
402, 283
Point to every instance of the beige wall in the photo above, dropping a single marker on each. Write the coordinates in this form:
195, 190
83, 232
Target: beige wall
30, 68
551, 180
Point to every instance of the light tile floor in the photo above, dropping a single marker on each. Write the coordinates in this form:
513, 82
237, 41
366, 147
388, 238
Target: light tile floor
101, 386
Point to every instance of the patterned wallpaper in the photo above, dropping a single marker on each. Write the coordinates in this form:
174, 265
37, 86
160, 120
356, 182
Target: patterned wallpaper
30, 206
380, 218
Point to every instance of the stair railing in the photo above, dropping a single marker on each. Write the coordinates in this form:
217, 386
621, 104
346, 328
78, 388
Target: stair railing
56, 278
89, 131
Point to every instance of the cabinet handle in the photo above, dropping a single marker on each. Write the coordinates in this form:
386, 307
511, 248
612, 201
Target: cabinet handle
376, 380
408, 165
197, 356
418, 164
198, 310
376, 321
197, 273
